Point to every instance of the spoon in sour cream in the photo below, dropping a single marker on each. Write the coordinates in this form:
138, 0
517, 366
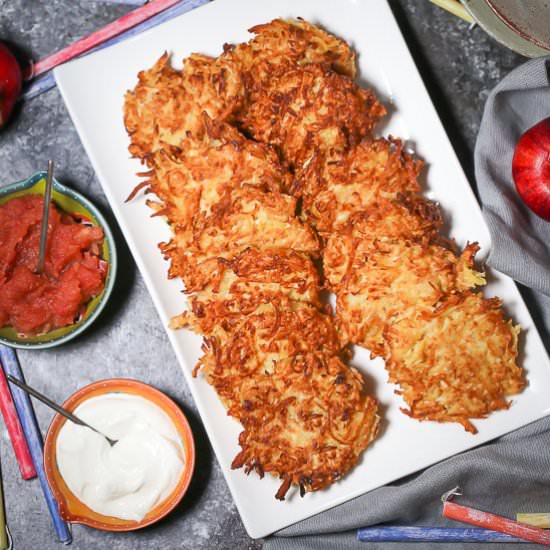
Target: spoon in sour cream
56, 407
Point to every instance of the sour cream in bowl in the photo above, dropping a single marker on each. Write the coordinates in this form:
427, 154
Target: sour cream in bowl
128, 485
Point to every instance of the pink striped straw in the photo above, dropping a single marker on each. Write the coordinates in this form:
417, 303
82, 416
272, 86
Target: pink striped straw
17, 437
105, 33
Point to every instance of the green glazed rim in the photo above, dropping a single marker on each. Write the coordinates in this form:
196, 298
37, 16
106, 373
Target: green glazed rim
69, 201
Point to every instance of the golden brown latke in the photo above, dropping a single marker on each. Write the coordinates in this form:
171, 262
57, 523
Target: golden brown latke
238, 360
253, 278
286, 44
396, 279
368, 173
313, 423
409, 216
248, 217
311, 109
305, 414
199, 174
167, 105
458, 362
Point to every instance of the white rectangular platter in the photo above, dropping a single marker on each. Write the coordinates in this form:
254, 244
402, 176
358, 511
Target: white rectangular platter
93, 89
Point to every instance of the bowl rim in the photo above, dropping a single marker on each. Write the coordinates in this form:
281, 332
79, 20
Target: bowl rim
492, 24
65, 497
30, 182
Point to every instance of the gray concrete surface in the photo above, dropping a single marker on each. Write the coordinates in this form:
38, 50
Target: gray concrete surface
460, 65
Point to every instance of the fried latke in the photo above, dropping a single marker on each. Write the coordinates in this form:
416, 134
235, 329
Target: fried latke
392, 280
248, 218
287, 44
200, 173
313, 423
311, 110
372, 171
253, 278
166, 105
305, 413
409, 216
240, 359
457, 363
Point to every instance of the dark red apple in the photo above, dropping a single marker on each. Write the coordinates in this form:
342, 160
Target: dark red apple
531, 168
10, 83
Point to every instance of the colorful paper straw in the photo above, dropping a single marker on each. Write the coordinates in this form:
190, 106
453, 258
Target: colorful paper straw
487, 520
399, 533
17, 437
98, 37
46, 81
4, 543
539, 519
8, 358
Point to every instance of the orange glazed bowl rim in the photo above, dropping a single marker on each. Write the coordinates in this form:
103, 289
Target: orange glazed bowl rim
71, 508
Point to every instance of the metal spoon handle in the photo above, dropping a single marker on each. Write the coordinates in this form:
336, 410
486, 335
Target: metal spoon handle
55, 406
45, 216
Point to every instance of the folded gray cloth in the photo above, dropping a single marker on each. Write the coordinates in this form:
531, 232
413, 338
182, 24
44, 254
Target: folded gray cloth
512, 473
520, 239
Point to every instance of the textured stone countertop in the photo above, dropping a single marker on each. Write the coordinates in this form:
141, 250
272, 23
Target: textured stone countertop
460, 66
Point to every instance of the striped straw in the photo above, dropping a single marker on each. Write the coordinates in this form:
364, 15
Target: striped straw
45, 82
473, 516
4, 543
17, 437
400, 533
31, 429
538, 519
114, 28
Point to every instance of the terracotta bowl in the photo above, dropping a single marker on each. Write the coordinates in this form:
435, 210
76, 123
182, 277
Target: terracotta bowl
75, 511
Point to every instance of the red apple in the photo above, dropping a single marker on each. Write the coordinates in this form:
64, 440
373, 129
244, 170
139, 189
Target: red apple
531, 168
10, 83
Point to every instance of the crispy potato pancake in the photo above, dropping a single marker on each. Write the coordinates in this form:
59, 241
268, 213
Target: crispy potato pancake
251, 217
314, 422
310, 110
200, 174
253, 278
408, 217
393, 280
243, 357
286, 44
372, 171
248, 218
166, 105
458, 362
305, 413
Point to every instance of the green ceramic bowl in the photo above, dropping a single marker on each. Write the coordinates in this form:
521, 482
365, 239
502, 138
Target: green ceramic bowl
69, 201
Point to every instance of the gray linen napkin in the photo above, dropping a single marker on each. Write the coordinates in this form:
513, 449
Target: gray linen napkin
520, 239
512, 473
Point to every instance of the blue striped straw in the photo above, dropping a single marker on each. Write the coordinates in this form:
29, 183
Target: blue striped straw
45, 82
396, 533
31, 429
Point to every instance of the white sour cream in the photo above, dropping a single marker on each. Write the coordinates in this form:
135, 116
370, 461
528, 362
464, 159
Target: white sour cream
129, 479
